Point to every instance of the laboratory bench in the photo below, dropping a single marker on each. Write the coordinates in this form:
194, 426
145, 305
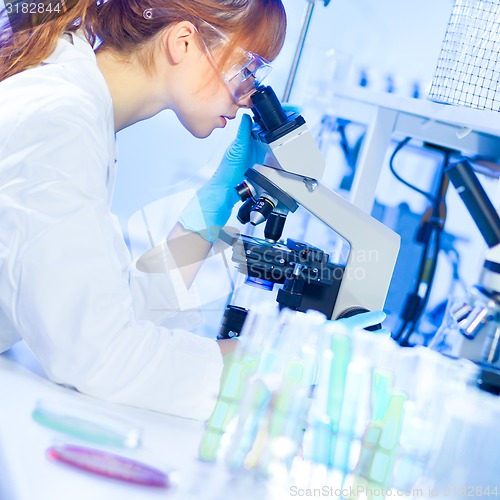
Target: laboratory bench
169, 444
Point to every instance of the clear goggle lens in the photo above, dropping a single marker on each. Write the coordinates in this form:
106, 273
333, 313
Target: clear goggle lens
242, 81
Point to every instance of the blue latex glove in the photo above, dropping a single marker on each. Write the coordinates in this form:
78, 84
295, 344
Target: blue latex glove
210, 210
365, 320
292, 107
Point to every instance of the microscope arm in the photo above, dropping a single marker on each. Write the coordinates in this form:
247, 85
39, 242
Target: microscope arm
484, 216
374, 247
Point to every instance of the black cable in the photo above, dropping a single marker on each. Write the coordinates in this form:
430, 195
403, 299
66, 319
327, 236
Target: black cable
413, 299
434, 230
417, 303
435, 223
412, 303
438, 226
403, 339
397, 149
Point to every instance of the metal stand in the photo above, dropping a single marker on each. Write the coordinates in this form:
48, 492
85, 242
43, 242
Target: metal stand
300, 48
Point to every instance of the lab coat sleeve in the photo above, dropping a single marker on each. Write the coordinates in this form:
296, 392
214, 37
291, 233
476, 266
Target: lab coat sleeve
159, 292
65, 273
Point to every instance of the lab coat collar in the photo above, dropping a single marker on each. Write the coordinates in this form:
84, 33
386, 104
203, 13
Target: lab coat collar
82, 49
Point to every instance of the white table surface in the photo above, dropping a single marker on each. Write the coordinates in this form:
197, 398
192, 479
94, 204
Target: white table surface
167, 443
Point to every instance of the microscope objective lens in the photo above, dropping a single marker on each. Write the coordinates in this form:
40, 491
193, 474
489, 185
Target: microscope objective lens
262, 209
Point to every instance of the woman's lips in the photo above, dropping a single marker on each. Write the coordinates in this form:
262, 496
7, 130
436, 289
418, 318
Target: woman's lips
225, 119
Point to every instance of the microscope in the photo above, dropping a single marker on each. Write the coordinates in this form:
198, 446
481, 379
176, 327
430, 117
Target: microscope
289, 176
477, 319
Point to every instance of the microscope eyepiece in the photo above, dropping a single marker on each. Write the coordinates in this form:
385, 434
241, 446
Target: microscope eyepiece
267, 108
272, 122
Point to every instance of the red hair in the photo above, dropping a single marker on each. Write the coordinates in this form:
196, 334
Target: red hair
119, 25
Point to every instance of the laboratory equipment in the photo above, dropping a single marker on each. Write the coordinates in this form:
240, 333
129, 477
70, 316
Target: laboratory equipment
467, 69
477, 319
232, 322
291, 176
109, 465
300, 47
305, 402
87, 424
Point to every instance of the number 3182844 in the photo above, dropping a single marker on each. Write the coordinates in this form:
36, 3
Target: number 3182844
33, 8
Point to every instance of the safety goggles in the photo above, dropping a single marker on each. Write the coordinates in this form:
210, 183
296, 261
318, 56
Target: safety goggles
243, 77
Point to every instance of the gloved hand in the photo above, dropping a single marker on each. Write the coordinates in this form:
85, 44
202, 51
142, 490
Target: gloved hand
365, 320
210, 210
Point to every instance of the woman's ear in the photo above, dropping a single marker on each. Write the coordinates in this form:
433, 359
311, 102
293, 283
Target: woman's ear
180, 39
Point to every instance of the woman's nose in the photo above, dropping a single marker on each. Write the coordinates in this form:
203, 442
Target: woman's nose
244, 102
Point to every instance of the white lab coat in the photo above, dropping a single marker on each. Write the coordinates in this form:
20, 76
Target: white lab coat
67, 286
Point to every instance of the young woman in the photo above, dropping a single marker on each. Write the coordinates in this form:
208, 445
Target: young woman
68, 82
